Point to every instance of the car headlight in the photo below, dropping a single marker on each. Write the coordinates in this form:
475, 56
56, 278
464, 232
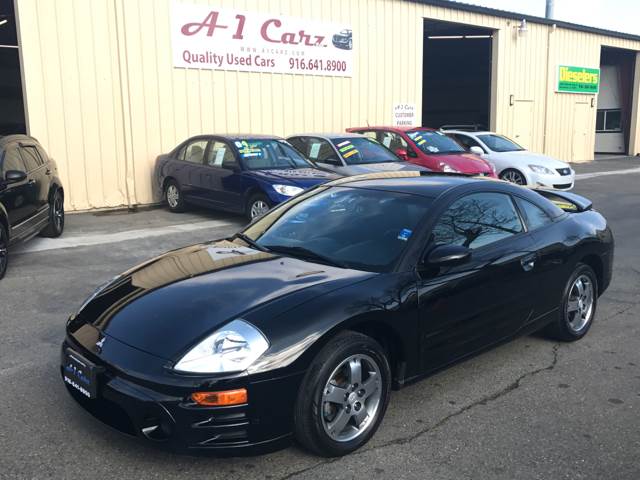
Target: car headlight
233, 348
541, 169
288, 190
448, 168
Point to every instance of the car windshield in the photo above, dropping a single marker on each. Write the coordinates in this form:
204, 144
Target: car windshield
498, 143
351, 227
360, 150
433, 142
261, 154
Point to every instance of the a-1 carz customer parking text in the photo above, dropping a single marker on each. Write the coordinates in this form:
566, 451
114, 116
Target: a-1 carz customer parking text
298, 326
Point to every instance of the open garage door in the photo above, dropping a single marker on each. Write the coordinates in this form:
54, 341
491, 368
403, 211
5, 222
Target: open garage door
12, 118
613, 120
456, 80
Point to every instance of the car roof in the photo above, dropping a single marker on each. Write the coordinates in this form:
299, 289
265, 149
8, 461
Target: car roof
16, 137
329, 136
237, 136
426, 184
467, 132
396, 129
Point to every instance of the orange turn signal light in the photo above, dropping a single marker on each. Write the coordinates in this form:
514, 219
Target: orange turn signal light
220, 399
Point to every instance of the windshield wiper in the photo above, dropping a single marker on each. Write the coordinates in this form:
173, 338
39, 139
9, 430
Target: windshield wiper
250, 241
305, 253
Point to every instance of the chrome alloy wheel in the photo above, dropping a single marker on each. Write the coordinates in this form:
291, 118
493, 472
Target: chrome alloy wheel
351, 398
173, 196
258, 208
514, 177
580, 303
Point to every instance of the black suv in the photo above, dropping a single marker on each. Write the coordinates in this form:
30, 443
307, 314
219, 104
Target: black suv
31, 194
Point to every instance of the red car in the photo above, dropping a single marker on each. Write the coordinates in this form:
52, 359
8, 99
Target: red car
429, 148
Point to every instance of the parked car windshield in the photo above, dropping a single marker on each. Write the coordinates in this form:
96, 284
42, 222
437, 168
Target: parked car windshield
498, 143
433, 142
360, 150
351, 227
264, 154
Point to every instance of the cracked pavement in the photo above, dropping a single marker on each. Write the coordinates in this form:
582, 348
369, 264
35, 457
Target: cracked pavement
531, 409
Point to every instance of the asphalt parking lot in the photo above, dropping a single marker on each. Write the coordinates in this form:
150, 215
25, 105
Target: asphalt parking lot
529, 409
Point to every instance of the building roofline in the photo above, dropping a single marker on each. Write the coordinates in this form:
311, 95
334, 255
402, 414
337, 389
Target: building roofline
494, 12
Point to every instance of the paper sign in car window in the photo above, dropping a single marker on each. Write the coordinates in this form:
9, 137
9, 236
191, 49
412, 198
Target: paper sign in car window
250, 150
433, 149
404, 234
350, 153
219, 156
315, 149
387, 141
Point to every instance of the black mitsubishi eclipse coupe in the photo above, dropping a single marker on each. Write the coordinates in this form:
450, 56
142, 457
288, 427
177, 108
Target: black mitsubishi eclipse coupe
299, 326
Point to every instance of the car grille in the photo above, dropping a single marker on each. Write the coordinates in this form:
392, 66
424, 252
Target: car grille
562, 186
223, 428
564, 171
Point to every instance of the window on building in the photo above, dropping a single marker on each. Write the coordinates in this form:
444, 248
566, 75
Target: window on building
477, 220
609, 120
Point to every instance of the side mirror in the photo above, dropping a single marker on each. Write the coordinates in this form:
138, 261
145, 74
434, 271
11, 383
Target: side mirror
477, 150
448, 256
402, 153
14, 176
332, 161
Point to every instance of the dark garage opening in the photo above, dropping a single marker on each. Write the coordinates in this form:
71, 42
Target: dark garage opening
12, 118
615, 98
456, 76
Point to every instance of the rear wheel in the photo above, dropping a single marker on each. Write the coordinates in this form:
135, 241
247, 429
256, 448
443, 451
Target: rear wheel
56, 217
4, 252
578, 306
173, 197
344, 395
258, 205
514, 176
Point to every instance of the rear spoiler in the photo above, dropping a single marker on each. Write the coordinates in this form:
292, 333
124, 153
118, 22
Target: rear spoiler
567, 201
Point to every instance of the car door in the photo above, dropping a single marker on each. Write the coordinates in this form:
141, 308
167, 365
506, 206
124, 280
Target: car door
189, 170
223, 176
38, 175
468, 307
17, 198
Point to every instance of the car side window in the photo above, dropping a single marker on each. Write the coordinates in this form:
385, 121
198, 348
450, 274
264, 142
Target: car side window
195, 151
221, 155
392, 141
31, 159
371, 134
477, 220
299, 144
534, 216
12, 161
321, 151
466, 141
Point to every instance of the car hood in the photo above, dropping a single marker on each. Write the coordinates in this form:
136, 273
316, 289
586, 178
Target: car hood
167, 304
463, 162
382, 167
300, 177
530, 158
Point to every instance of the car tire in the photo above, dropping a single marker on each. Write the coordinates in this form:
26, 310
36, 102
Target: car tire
56, 217
327, 396
173, 197
513, 176
578, 308
4, 250
258, 205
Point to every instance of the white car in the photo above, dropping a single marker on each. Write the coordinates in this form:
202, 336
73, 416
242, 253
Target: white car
515, 164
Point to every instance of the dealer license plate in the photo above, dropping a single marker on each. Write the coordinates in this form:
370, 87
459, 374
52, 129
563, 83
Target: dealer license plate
79, 373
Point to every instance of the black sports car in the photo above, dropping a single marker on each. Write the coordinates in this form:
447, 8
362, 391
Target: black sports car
299, 326
343, 40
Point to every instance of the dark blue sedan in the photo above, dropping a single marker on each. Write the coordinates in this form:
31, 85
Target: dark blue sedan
241, 173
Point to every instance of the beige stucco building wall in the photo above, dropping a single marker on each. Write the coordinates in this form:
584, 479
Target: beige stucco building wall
104, 99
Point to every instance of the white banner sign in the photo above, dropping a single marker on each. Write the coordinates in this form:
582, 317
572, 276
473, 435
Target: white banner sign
208, 37
404, 115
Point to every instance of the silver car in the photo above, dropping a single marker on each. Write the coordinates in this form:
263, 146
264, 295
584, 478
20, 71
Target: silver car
349, 154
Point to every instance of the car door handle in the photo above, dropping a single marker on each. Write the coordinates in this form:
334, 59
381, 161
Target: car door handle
31, 182
528, 262
48, 172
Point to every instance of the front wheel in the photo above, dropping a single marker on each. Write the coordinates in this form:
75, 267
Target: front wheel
4, 250
513, 176
343, 396
578, 306
56, 217
257, 206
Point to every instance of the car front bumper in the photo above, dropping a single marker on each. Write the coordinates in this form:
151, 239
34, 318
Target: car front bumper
164, 415
557, 182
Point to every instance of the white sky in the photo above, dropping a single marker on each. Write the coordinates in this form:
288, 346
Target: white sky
618, 15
